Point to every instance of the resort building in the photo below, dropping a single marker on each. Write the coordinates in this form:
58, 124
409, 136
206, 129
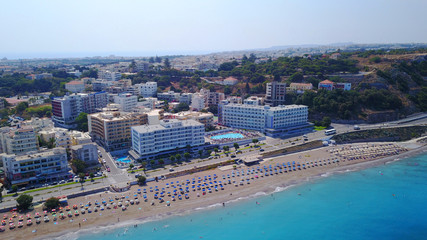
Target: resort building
168, 96
256, 101
36, 166
149, 141
300, 87
272, 121
275, 94
75, 86
234, 99
212, 98
185, 98
112, 130
86, 152
14, 140
66, 109
197, 102
206, 119
126, 101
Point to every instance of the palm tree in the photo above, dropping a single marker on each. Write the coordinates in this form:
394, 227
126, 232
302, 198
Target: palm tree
82, 178
187, 156
236, 146
200, 153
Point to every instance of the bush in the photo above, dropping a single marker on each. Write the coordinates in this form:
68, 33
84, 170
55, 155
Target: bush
52, 203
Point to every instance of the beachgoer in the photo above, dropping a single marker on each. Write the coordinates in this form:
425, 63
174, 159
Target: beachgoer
223, 204
118, 219
80, 225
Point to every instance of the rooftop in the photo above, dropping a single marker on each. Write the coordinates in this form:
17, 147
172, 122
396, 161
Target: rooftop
74, 83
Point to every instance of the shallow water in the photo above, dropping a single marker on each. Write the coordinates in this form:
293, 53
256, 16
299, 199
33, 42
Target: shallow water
385, 202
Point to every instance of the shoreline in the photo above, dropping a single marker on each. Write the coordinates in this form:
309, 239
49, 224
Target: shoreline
257, 188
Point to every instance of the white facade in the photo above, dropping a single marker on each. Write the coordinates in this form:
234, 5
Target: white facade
75, 86
36, 166
197, 102
262, 118
148, 89
126, 101
110, 76
17, 140
168, 135
85, 152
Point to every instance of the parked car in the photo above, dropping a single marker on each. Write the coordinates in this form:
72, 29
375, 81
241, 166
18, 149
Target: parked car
261, 150
171, 169
108, 169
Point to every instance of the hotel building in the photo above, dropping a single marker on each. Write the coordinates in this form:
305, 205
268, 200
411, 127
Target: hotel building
273, 121
36, 166
149, 141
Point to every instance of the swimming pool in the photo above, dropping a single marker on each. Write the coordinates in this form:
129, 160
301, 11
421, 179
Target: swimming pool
228, 135
123, 160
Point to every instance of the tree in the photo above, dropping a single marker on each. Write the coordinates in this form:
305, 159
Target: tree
172, 158
82, 123
236, 146
141, 180
52, 203
166, 63
187, 156
24, 201
254, 141
21, 107
326, 122
131, 166
14, 188
79, 165
161, 161
200, 153
91, 175
81, 178
226, 148
216, 150
152, 162
178, 157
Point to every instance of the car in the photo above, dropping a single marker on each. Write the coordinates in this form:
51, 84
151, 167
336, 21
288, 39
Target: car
238, 151
304, 136
233, 156
210, 157
108, 169
293, 143
22, 189
356, 127
137, 175
261, 150
62, 182
55, 183
171, 169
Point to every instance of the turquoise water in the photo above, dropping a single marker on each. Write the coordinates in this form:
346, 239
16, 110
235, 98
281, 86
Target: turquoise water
385, 202
228, 135
123, 159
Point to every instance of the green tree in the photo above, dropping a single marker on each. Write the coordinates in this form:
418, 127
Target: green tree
326, 121
178, 157
14, 188
152, 162
226, 148
161, 161
172, 158
79, 165
21, 107
82, 122
52, 203
81, 178
24, 201
166, 63
216, 150
200, 153
142, 180
187, 156
254, 141
131, 166
91, 175
236, 146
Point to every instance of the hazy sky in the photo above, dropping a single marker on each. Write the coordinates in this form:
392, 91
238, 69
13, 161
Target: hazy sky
49, 27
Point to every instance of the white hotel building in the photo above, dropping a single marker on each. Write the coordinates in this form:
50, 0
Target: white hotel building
273, 121
148, 89
149, 141
126, 101
33, 167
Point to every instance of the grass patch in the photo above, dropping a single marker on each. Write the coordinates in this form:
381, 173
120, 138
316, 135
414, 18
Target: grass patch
319, 128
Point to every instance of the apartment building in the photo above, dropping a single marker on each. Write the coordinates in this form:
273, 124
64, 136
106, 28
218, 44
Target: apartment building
18, 140
275, 94
75, 86
272, 121
151, 140
168, 96
206, 119
66, 109
197, 102
300, 87
86, 152
113, 129
35, 167
126, 101
108, 75
148, 89
257, 101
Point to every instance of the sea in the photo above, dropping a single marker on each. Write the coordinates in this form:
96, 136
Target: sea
383, 202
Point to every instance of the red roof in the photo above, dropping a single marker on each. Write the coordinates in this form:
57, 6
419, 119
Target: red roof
326, 82
74, 83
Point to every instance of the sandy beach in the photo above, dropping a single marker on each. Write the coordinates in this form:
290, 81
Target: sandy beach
204, 189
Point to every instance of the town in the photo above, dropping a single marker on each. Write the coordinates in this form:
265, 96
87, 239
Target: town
112, 125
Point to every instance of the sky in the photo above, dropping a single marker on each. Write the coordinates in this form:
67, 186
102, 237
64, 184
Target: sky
67, 28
